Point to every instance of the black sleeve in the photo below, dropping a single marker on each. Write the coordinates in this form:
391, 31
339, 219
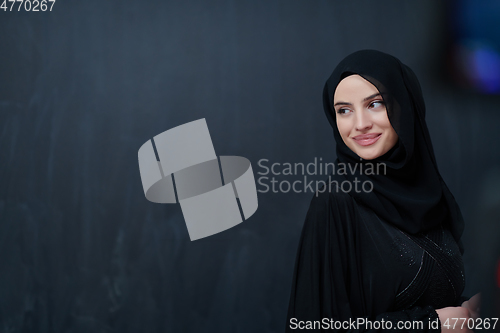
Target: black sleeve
319, 300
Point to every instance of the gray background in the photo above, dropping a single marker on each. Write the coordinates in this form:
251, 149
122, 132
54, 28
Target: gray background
84, 86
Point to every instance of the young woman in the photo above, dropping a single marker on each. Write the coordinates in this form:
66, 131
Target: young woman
380, 246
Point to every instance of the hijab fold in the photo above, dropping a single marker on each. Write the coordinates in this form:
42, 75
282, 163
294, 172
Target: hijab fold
411, 195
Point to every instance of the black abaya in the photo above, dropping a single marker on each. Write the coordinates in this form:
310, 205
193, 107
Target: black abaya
351, 264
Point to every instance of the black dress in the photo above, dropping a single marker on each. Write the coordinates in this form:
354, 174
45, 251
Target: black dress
351, 264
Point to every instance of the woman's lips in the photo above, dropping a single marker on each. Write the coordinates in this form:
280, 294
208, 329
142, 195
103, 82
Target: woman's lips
367, 139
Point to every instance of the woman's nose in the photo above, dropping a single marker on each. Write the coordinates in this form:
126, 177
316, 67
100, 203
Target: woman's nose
363, 121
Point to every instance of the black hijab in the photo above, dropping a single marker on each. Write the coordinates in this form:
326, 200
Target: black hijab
411, 194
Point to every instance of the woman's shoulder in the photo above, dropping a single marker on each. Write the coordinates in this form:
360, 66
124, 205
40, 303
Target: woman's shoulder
331, 207
332, 198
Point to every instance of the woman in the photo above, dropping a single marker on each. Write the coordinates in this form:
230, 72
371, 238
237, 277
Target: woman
387, 253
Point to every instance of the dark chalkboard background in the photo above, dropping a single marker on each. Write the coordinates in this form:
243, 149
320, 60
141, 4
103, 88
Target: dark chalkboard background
84, 86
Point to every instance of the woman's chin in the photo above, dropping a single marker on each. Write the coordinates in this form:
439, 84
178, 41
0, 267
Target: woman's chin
368, 155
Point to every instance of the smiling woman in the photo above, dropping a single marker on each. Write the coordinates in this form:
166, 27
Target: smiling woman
386, 259
362, 119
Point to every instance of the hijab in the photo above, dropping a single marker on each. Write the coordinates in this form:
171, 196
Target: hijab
410, 194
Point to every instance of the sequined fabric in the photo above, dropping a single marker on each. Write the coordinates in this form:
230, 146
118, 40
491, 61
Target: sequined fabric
440, 279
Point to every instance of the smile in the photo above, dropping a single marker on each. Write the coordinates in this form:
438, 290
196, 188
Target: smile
367, 139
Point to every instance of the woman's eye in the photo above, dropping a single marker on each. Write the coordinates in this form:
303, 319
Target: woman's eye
342, 111
376, 104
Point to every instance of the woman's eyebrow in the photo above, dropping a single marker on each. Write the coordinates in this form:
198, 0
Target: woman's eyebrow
364, 100
371, 96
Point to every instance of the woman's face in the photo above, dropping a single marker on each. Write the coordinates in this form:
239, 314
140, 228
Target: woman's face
362, 118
